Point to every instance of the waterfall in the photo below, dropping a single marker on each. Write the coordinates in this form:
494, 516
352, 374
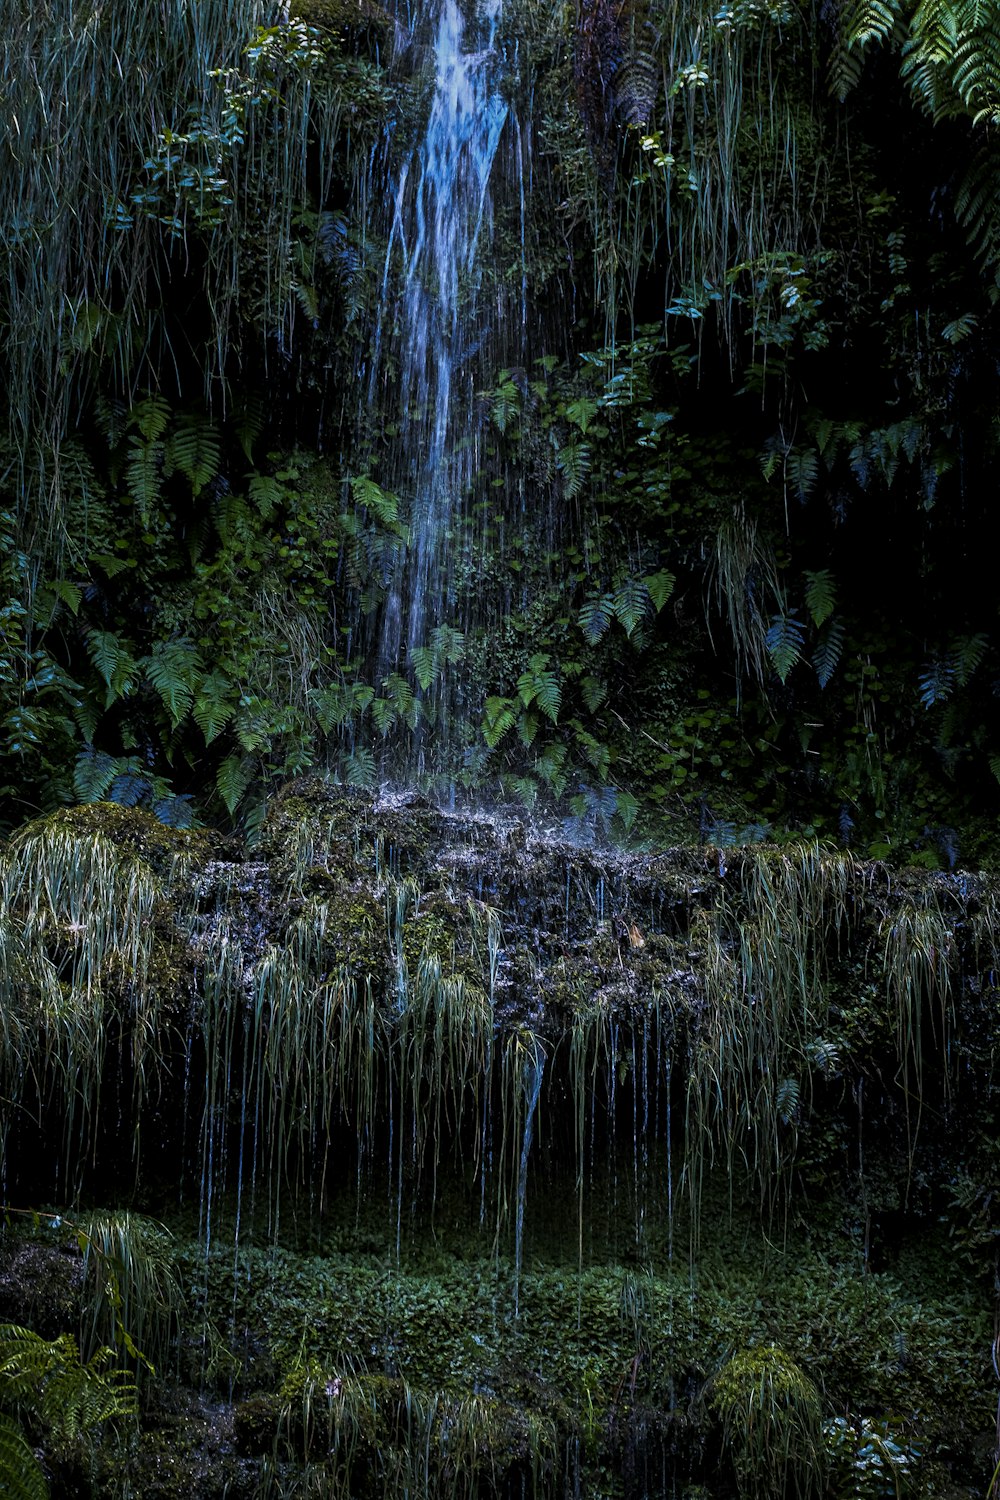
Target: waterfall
442, 212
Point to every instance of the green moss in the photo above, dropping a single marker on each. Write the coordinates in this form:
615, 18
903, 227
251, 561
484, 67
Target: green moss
134, 829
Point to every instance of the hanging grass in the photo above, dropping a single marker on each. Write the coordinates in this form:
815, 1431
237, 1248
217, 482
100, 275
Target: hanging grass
772, 1425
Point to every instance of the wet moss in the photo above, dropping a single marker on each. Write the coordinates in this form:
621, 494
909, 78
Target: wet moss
140, 833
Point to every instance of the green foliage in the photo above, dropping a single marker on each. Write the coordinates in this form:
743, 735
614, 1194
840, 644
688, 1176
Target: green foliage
48, 1382
771, 1416
21, 1474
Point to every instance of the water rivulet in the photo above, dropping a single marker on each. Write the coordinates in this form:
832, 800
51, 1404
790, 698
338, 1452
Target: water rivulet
496, 1165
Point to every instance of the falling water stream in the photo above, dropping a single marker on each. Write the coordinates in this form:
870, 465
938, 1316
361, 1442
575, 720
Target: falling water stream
442, 214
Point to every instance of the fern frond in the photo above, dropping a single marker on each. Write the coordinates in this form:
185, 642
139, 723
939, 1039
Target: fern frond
21, 1476
540, 685
195, 449
143, 471
784, 642
150, 417
631, 603
500, 715
821, 595
573, 463
936, 682
93, 774
173, 669
359, 768
233, 778
660, 586
582, 412
505, 406
802, 472
214, 704
594, 617
967, 655
828, 652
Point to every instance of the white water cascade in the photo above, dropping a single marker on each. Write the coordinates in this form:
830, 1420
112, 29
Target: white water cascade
442, 215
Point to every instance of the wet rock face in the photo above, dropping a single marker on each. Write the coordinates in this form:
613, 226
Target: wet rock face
40, 1288
372, 966
555, 1076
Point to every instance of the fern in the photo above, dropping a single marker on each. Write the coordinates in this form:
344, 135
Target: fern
821, 595
594, 692
248, 424
114, 662
828, 652
448, 644
550, 768
967, 655
173, 669
802, 471
582, 412
595, 616
540, 685
936, 682
500, 716
404, 703
359, 768
213, 704
573, 463
631, 603
21, 1476
266, 494
660, 586
194, 449
384, 715
93, 774
150, 417
505, 406
142, 472
784, 642
378, 502
627, 810
232, 780
232, 518
871, 21
426, 665
68, 1398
